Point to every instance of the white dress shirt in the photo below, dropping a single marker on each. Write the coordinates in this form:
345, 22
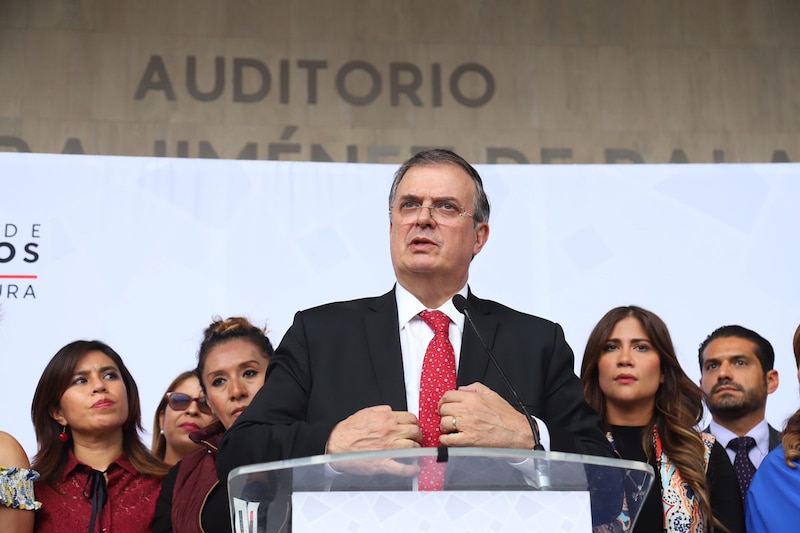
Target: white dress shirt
760, 433
415, 335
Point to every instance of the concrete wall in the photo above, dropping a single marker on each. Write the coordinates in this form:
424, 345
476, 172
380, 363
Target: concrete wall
561, 81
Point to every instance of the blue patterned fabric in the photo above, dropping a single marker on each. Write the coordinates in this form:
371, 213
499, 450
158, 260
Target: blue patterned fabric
16, 488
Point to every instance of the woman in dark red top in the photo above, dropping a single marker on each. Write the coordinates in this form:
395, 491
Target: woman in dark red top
96, 474
231, 364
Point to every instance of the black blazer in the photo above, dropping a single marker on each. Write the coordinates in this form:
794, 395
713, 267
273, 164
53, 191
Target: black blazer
775, 437
342, 357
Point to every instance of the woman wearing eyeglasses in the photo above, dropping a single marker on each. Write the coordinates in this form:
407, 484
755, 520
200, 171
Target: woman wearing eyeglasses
231, 366
182, 410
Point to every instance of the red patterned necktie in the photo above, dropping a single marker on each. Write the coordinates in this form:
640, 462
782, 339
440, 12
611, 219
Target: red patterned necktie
438, 376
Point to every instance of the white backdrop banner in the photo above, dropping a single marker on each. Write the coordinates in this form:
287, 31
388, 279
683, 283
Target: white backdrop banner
142, 253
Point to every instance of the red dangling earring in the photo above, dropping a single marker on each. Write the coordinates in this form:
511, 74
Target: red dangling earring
63, 436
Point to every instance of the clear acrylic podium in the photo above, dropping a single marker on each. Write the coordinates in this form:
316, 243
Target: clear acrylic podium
485, 489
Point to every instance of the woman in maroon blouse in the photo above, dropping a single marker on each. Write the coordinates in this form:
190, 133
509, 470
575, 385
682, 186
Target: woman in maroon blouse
231, 365
96, 474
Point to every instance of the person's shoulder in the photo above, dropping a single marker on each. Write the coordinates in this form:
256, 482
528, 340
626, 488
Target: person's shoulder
506, 312
11, 452
205, 453
714, 446
775, 436
772, 469
775, 457
172, 474
349, 306
716, 457
191, 459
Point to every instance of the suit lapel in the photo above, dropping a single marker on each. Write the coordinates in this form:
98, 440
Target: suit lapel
474, 360
383, 341
775, 437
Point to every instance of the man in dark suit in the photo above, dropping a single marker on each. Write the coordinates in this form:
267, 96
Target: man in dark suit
737, 375
346, 376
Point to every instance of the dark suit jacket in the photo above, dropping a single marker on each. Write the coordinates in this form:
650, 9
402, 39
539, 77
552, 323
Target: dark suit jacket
341, 357
775, 437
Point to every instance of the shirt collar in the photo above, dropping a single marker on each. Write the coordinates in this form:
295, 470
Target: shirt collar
760, 433
408, 307
73, 464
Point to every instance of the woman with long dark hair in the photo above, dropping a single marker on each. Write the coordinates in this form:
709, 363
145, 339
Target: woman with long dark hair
96, 474
650, 409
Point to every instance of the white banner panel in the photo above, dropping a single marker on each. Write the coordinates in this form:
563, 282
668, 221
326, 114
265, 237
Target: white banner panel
484, 511
142, 252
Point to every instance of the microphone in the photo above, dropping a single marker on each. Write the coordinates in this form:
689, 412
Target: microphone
462, 307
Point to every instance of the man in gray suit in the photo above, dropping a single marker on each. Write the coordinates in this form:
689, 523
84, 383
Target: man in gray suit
737, 376
346, 376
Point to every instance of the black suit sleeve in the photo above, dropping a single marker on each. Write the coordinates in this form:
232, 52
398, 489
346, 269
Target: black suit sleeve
275, 426
726, 500
573, 425
535, 356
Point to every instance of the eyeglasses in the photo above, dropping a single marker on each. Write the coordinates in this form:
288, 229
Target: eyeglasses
179, 401
443, 210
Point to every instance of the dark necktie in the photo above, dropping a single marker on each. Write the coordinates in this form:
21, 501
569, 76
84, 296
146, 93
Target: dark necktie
438, 376
744, 467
